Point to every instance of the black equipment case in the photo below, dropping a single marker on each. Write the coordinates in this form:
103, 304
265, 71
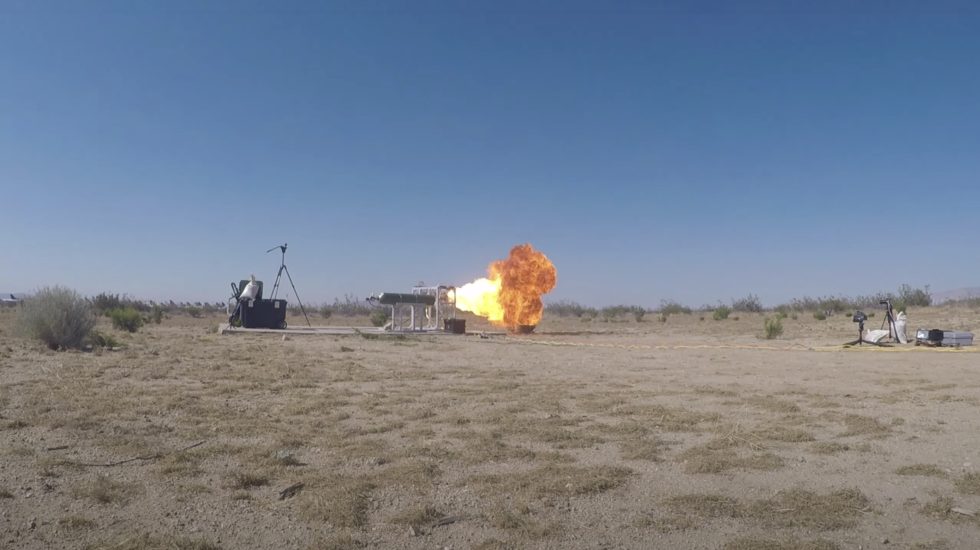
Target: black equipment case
263, 314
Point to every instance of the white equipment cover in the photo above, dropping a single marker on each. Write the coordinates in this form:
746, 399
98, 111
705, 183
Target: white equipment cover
900, 321
875, 336
250, 291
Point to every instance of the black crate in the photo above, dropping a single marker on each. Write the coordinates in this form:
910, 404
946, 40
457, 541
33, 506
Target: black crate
454, 326
264, 314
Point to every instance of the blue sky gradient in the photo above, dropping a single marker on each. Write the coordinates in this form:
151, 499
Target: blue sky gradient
687, 151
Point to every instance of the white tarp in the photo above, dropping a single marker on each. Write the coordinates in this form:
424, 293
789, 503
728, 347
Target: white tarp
875, 336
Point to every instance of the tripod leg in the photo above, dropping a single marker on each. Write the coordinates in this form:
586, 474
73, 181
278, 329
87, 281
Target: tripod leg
300, 302
275, 287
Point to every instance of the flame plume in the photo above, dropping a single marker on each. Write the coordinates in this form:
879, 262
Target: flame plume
511, 295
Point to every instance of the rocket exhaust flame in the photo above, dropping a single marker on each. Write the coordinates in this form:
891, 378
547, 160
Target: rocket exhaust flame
511, 294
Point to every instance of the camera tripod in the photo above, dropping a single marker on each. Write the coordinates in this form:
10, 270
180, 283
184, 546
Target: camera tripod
275, 287
889, 319
860, 318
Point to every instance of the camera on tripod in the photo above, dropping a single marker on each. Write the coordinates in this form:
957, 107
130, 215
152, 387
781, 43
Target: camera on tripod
859, 317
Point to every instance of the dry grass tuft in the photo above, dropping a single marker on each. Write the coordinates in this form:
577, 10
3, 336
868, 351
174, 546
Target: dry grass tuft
691, 511
518, 518
857, 424
4, 493
721, 454
247, 480
76, 523
418, 516
938, 544
418, 474
643, 448
800, 508
784, 434
829, 447
554, 481
104, 490
147, 542
942, 508
758, 543
921, 470
341, 502
969, 484
668, 419
494, 544
773, 404
338, 541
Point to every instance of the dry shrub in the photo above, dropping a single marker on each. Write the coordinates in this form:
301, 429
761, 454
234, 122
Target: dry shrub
57, 316
799, 508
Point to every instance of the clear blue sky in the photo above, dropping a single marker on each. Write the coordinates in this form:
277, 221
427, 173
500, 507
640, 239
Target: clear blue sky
689, 151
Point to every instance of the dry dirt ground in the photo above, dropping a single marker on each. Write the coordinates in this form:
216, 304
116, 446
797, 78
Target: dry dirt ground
689, 433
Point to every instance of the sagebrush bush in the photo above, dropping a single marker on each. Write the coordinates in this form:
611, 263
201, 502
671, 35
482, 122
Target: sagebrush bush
721, 313
57, 316
773, 328
819, 316
750, 303
326, 311
126, 318
155, 315
379, 317
101, 340
918, 297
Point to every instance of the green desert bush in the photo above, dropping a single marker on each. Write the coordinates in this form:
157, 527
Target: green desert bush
721, 313
568, 308
126, 318
101, 340
57, 316
670, 307
773, 328
326, 311
819, 316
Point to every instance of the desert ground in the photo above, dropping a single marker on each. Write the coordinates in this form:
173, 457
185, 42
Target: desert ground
688, 433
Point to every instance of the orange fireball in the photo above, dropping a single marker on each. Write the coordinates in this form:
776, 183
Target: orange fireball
511, 295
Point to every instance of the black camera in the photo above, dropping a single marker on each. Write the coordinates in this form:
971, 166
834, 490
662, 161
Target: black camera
859, 317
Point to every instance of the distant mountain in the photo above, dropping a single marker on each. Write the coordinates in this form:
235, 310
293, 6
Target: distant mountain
956, 294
